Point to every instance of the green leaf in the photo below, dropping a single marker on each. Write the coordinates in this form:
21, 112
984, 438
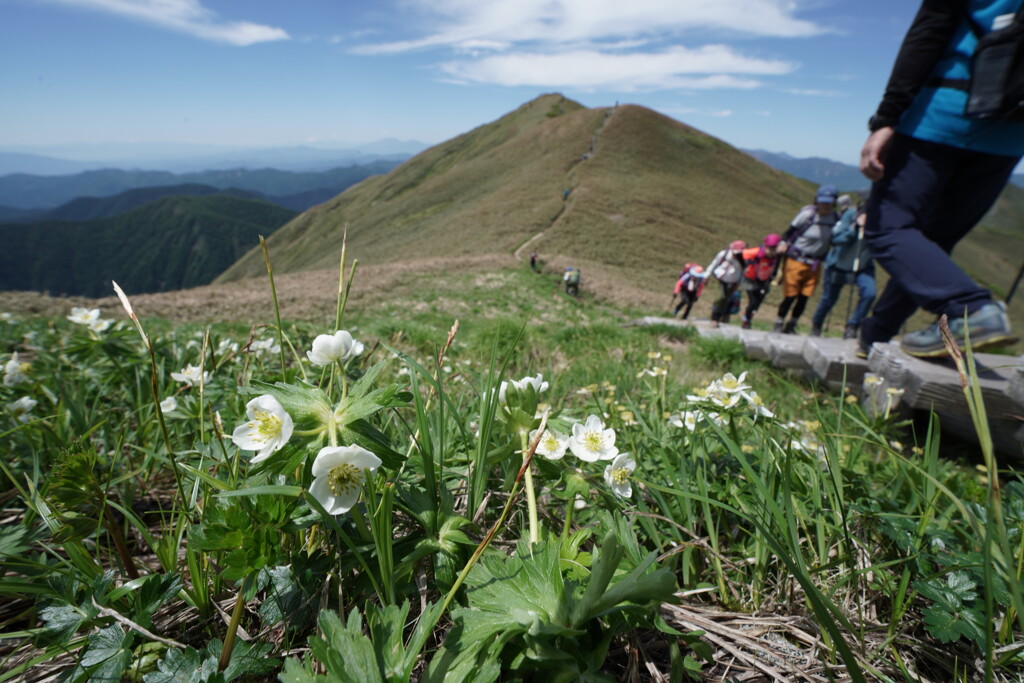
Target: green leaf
63, 621
104, 644
13, 541
362, 433
949, 625
346, 653
307, 405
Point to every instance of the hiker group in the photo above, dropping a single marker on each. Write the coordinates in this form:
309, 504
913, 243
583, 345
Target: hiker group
943, 142
824, 242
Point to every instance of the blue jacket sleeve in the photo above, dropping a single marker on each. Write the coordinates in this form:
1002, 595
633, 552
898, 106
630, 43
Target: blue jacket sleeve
922, 47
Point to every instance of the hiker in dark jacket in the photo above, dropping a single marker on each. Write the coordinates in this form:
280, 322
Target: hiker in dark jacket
807, 242
936, 172
848, 262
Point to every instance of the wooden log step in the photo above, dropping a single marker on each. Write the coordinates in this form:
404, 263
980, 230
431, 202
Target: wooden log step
787, 351
935, 384
835, 361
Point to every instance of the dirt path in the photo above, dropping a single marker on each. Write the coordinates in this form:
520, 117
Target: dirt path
594, 139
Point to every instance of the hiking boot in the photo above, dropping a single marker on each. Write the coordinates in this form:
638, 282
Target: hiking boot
987, 327
863, 350
745, 325
789, 327
777, 327
850, 332
815, 331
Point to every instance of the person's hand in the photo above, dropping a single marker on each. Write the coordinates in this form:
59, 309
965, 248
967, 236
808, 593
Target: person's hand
872, 155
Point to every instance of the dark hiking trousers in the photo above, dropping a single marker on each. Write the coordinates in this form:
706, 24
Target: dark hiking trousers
929, 199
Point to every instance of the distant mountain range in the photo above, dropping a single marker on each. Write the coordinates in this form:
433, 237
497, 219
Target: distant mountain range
23, 192
179, 158
815, 169
172, 242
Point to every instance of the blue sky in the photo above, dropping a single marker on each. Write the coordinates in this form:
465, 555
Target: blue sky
799, 76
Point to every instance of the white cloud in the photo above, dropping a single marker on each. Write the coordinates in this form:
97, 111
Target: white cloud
709, 67
812, 92
589, 44
555, 22
186, 16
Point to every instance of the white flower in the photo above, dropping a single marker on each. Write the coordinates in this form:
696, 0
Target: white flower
591, 442
757, 404
616, 475
552, 445
338, 347
731, 384
339, 472
265, 347
14, 371
191, 375
168, 405
538, 384
21, 408
687, 419
100, 325
226, 346
7, 317
84, 316
268, 429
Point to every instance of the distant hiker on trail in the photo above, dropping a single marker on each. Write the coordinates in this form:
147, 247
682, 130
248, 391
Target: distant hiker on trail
565, 193
727, 268
760, 265
806, 245
572, 281
533, 260
688, 288
848, 262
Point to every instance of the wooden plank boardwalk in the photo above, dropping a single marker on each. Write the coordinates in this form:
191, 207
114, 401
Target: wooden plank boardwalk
932, 385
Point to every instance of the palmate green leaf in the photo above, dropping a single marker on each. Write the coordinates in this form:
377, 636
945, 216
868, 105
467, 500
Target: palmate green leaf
185, 666
63, 621
948, 625
308, 406
104, 644
344, 650
526, 589
13, 541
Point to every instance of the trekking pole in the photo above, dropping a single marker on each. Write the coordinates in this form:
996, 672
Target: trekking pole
856, 269
1016, 282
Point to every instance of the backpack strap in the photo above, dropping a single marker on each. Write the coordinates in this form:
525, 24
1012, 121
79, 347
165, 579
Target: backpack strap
979, 33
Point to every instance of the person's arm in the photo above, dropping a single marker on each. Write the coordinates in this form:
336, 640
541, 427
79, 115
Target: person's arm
926, 39
844, 233
714, 263
922, 47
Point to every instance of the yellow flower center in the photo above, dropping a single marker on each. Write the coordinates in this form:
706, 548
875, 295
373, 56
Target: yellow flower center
267, 424
344, 478
549, 442
619, 476
593, 441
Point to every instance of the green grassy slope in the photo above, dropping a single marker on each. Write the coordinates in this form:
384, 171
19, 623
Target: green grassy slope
172, 243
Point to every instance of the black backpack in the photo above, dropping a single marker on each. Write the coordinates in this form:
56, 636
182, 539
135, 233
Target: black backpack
996, 88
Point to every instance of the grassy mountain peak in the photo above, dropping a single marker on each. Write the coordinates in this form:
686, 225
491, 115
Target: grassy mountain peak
645, 194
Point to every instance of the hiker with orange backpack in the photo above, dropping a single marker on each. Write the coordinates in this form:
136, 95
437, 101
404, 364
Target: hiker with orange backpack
688, 288
760, 266
727, 268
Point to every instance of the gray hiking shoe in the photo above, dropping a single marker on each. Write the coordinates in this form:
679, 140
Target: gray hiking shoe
987, 327
815, 331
